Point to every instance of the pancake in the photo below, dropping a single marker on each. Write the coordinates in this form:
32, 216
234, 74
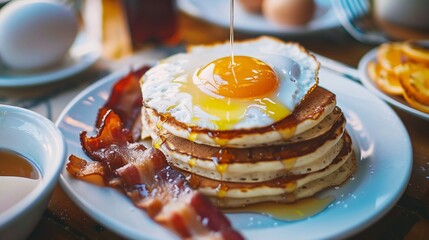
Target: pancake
336, 178
258, 163
285, 188
310, 112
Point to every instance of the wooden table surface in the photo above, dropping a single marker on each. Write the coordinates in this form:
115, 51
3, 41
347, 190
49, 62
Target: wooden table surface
408, 219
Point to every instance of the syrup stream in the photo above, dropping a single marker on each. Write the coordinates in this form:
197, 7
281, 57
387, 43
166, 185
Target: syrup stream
231, 31
231, 38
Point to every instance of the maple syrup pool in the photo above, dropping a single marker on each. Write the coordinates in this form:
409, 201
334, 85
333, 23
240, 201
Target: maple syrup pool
18, 177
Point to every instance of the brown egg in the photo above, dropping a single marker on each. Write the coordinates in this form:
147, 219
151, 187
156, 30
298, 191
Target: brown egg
289, 12
254, 6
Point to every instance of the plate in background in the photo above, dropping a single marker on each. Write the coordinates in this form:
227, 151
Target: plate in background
217, 12
84, 52
396, 101
384, 157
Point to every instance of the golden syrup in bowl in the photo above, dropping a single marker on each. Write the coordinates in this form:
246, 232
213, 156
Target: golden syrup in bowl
18, 177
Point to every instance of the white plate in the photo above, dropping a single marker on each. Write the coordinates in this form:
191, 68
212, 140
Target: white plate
217, 12
83, 53
396, 101
384, 167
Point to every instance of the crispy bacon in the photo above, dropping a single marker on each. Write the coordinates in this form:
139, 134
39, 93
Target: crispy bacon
126, 101
110, 145
146, 178
92, 172
167, 197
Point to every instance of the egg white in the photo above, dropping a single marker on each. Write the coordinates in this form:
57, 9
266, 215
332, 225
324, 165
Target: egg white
162, 86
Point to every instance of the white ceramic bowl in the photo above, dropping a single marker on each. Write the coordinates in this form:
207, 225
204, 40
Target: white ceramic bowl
411, 13
34, 136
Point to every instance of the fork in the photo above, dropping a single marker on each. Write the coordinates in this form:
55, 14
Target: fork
356, 17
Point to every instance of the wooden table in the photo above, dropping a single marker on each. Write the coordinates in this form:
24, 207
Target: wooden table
409, 218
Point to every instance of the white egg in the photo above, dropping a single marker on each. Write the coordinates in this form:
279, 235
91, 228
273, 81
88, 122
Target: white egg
194, 87
35, 34
289, 12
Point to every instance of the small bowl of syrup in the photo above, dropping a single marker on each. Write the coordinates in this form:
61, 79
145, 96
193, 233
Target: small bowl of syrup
32, 154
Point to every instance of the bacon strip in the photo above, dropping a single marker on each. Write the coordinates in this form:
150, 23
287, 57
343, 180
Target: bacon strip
110, 145
167, 197
146, 178
92, 172
126, 101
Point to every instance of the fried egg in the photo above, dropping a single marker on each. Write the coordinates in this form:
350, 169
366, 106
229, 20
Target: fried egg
261, 84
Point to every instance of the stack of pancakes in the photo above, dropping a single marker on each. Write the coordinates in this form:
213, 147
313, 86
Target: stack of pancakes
292, 159
260, 158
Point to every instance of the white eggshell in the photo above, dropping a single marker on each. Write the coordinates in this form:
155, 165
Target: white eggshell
289, 12
35, 34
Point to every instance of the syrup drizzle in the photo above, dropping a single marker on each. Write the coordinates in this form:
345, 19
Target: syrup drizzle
231, 32
289, 163
221, 190
222, 159
158, 142
302, 209
223, 155
192, 162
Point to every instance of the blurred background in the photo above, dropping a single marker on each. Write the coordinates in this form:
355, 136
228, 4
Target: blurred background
123, 33
126, 26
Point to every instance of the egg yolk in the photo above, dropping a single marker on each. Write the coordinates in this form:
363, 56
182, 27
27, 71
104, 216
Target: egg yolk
227, 91
246, 77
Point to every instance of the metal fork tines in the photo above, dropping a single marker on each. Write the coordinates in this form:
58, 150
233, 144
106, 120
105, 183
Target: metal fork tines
356, 17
